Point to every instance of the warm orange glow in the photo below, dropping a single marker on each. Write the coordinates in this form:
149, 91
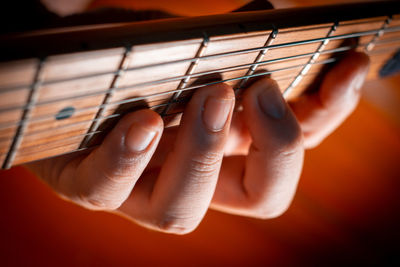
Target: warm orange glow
178, 7
346, 209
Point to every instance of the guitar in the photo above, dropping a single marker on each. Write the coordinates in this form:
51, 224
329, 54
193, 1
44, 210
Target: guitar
62, 89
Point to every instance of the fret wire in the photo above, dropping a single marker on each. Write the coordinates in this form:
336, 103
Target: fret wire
26, 114
108, 96
244, 51
221, 70
202, 49
381, 31
258, 59
312, 60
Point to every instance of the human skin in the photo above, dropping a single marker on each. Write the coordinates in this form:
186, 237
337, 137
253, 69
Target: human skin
246, 162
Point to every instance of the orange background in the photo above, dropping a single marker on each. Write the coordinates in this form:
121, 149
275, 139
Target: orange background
346, 210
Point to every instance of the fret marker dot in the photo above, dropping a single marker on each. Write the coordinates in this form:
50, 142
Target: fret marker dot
65, 113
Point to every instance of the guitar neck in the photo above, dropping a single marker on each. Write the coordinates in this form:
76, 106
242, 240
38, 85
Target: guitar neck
62, 90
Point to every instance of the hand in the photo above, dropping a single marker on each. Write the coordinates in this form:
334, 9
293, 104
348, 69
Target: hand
247, 165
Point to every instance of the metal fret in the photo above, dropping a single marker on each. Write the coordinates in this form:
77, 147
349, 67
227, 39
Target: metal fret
312, 60
107, 98
26, 114
183, 83
378, 35
258, 59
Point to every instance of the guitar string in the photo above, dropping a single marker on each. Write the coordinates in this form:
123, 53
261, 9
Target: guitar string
46, 116
217, 70
174, 78
265, 73
207, 57
170, 114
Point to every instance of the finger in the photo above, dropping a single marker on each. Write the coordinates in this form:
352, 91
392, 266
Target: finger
183, 191
263, 183
105, 178
320, 113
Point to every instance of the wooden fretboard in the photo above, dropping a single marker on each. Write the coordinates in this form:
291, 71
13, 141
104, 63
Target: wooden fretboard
61, 90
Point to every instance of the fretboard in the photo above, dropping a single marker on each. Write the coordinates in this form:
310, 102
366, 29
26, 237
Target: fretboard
58, 100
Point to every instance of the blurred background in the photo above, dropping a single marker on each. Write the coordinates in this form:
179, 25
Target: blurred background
346, 209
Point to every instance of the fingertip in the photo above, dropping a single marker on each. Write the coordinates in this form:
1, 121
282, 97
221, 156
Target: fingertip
134, 132
270, 120
265, 97
145, 126
209, 110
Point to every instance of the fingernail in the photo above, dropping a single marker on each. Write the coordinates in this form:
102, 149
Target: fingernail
216, 112
139, 138
272, 103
